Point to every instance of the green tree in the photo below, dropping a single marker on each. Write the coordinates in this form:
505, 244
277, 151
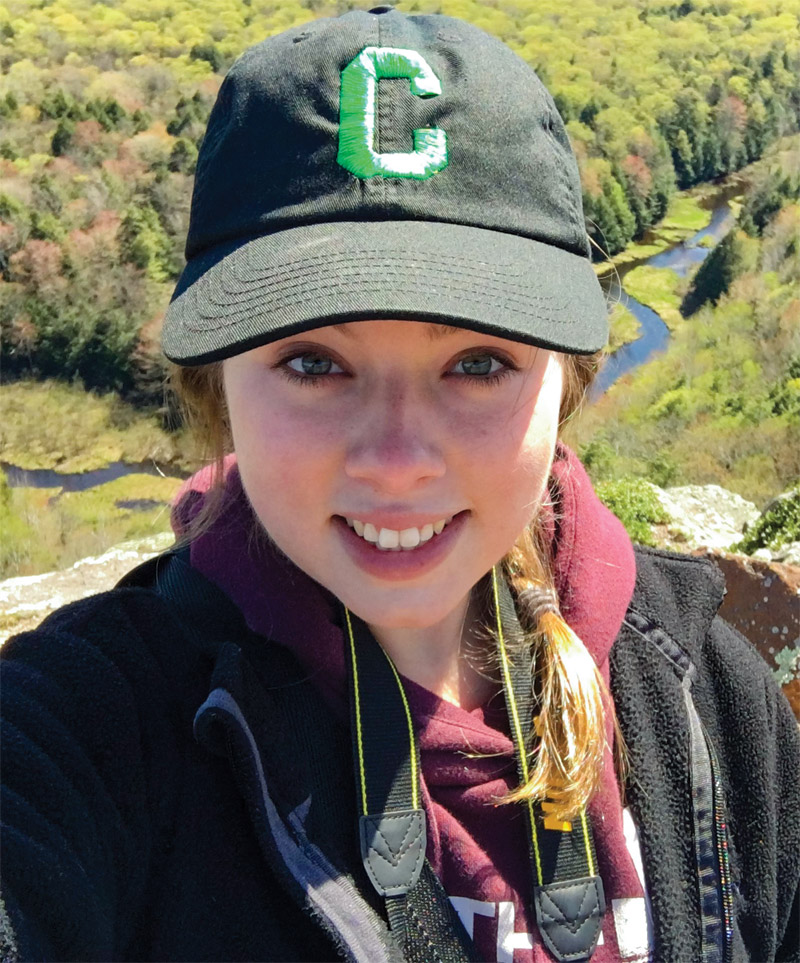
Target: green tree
683, 159
183, 158
766, 199
715, 274
62, 138
144, 242
210, 53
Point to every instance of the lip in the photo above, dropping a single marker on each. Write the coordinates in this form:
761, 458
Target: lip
399, 566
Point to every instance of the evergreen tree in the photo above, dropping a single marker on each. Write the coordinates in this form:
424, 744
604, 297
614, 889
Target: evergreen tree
62, 138
715, 274
683, 159
183, 158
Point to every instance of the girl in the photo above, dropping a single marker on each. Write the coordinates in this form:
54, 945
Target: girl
366, 711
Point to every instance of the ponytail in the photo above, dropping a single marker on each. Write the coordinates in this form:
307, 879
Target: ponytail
567, 740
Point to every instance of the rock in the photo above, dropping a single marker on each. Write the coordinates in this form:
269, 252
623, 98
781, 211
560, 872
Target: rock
763, 603
27, 599
787, 554
704, 516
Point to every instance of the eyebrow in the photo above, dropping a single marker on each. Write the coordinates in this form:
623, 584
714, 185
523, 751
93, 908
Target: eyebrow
435, 331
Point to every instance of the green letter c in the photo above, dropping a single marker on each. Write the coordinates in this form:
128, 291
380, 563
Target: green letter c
358, 109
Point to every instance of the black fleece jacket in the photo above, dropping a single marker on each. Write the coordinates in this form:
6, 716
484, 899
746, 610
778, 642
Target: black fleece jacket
178, 791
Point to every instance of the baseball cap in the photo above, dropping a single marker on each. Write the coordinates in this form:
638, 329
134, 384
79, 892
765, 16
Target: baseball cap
383, 165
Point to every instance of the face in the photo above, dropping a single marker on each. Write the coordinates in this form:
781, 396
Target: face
395, 461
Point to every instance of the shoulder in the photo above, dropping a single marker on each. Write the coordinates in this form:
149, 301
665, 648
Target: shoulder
119, 647
694, 697
672, 624
97, 705
676, 599
680, 596
111, 619
683, 591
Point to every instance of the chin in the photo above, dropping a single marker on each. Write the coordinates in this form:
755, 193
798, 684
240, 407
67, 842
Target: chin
410, 613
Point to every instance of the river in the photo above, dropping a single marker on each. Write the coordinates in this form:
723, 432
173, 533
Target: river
80, 481
654, 338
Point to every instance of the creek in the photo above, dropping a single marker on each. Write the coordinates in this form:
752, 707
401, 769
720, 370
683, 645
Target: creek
654, 338
682, 256
80, 481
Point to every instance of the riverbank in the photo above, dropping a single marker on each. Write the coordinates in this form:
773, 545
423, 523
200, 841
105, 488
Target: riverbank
688, 213
82, 472
47, 528
651, 274
66, 429
68, 439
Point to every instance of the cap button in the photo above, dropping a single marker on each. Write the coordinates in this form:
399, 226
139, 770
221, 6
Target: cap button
383, 8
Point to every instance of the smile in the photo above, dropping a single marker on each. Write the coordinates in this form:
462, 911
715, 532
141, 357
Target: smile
391, 540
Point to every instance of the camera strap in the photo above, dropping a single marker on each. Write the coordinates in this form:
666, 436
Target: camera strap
568, 894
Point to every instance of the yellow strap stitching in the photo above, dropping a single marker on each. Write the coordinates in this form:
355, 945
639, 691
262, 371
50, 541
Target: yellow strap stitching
358, 715
411, 740
517, 727
589, 859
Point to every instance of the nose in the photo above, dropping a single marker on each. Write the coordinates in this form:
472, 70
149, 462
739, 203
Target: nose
394, 448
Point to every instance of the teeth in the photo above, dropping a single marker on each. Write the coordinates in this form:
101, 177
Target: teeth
410, 537
390, 540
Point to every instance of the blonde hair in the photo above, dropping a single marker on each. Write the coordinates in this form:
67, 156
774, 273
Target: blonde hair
568, 741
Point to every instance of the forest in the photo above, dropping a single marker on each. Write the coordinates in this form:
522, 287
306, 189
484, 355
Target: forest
103, 104
102, 110
722, 405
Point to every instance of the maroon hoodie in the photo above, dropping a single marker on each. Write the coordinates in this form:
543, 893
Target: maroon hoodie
477, 848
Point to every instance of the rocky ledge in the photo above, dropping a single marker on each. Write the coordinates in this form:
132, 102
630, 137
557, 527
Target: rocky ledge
27, 599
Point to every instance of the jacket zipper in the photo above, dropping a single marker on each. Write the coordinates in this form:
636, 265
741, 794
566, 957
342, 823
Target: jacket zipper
722, 848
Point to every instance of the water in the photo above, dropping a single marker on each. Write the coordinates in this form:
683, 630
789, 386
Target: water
689, 253
654, 337
79, 481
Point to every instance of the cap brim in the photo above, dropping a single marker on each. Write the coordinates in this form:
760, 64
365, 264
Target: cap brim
245, 294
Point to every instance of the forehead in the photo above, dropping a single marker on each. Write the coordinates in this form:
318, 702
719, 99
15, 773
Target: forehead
435, 332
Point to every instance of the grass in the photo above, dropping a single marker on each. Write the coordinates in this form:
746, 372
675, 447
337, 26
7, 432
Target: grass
63, 427
44, 529
778, 526
685, 214
658, 288
624, 328
635, 504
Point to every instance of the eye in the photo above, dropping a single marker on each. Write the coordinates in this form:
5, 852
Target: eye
479, 365
312, 364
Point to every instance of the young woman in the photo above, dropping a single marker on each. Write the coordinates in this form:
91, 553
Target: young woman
369, 709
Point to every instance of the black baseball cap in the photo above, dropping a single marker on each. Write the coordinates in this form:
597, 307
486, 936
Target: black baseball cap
380, 165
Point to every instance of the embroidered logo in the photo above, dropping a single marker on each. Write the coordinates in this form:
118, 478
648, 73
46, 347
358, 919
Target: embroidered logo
358, 115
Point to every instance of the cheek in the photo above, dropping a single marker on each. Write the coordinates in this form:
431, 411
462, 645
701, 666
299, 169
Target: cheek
521, 456
284, 457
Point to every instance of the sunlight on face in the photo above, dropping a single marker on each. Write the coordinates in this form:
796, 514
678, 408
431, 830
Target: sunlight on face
386, 430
